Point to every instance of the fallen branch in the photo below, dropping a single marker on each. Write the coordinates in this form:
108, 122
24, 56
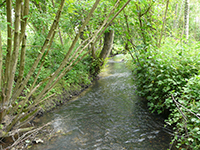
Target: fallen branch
185, 107
24, 136
17, 131
185, 118
29, 133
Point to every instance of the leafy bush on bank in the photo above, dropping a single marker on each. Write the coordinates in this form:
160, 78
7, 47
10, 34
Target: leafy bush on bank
172, 69
187, 116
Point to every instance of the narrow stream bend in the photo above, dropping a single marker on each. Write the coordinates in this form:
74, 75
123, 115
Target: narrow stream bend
109, 116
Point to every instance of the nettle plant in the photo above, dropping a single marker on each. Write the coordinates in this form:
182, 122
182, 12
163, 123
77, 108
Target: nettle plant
186, 116
159, 72
169, 78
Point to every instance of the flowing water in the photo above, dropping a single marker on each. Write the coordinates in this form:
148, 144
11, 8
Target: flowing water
108, 116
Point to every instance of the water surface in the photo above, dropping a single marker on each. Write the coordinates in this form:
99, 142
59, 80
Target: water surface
108, 116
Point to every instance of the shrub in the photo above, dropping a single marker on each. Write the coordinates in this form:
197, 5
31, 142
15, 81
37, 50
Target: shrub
160, 72
188, 124
172, 69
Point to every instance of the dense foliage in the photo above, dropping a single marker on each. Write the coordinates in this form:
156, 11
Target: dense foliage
186, 118
172, 73
57, 45
166, 66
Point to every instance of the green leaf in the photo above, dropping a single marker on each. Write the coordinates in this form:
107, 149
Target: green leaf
196, 129
193, 119
1, 126
190, 139
25, 16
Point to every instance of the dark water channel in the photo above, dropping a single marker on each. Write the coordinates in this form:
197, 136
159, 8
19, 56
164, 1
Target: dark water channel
108, 116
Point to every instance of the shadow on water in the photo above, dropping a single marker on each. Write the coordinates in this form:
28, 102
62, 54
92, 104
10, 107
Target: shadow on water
109, 116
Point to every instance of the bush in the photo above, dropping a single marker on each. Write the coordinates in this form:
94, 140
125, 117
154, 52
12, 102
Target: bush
172, 69
160, 72
190, 101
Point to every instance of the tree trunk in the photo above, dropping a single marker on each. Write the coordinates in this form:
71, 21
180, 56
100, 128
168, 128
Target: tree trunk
175, 13
14, 57
49, 37
163, 25
108, 43
1, 98
179, 15
186, 20
9, 46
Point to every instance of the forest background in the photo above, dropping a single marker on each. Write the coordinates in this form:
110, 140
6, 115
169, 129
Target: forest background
55, 46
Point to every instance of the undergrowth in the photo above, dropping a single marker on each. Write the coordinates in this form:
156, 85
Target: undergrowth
168, 75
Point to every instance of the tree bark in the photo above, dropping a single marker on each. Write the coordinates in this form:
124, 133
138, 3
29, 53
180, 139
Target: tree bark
14, 57
108, 43
24, 20
60, 35
1, 97
186, 20
49, 36
22, 61
25, 12
9, 45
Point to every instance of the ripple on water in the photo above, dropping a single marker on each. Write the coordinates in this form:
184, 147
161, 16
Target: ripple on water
108, 117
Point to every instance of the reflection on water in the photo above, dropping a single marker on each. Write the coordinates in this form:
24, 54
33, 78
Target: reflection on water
109, 116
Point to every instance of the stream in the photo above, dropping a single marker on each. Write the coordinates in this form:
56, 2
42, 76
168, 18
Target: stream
107, 116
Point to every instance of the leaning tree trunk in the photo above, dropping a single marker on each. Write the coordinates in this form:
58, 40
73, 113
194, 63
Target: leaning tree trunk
108, 43
105, 52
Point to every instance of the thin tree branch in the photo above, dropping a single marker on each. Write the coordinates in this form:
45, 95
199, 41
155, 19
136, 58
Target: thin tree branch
15, 53
163, 25
129, 37
146, 10
25, 134
65, 61
9, 48
2, 3
60, 35
68, 68
186, 108
24, 18
51, 31
185, 118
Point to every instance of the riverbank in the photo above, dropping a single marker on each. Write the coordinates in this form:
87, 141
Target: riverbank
39, 134
66, 95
